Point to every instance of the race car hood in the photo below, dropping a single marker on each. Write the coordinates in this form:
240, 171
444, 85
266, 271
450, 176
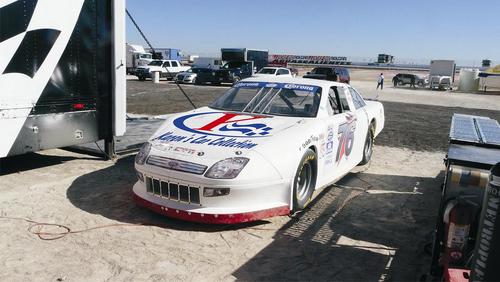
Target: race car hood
216, 134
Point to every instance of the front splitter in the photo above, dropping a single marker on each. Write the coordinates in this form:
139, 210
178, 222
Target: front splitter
211, 218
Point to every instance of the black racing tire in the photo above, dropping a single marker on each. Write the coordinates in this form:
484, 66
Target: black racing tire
305, 180
195, 81
236, 79
141, 78
368, 148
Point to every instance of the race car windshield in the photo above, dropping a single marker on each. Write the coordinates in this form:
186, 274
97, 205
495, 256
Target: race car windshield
267, 71
279, 99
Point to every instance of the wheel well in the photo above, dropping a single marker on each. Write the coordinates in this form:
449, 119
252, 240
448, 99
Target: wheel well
373, 124
313, 148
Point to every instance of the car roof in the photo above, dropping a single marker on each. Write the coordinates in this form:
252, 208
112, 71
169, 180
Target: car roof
296, 80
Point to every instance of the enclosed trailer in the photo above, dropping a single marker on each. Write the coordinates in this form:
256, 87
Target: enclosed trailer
62, 74
258, 58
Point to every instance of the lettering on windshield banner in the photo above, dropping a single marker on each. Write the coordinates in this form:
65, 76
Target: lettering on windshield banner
291, 86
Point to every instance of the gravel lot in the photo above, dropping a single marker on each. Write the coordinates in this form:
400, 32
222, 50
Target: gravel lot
372, 226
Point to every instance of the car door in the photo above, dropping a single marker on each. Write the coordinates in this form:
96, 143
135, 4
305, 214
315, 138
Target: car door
175, 67
166, 68
362, 123
335, 152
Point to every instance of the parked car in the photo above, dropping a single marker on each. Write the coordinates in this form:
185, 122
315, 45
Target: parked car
273, 71
167, 68
330, 73
259, 150
402, 79
195, 76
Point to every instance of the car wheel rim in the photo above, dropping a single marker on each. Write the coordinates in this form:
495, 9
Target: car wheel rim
304, 181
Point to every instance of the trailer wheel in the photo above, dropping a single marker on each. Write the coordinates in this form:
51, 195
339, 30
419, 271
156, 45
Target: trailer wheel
304, 181
368, 149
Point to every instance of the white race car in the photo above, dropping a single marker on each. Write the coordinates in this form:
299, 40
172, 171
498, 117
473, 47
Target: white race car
273, 71
259, 150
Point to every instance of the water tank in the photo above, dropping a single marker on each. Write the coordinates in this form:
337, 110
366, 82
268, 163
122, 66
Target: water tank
469, 80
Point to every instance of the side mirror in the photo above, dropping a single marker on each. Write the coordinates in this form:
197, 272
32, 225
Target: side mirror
308, 72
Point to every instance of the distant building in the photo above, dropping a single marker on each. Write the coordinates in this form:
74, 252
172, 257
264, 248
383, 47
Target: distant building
385, 59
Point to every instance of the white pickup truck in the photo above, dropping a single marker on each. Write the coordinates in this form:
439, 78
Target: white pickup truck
167, 68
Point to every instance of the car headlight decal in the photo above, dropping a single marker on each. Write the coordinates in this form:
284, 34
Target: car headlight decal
143, 154
228, 168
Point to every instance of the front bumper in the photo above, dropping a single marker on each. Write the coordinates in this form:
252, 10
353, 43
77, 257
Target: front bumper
244, 203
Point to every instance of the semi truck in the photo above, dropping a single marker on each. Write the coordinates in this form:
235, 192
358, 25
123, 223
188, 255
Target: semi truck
240, 63
62, 74
137, 57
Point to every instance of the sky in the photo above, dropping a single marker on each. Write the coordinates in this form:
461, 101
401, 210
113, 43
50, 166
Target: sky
413, 31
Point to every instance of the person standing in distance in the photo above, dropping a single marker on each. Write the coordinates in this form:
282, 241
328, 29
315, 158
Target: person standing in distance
380, 81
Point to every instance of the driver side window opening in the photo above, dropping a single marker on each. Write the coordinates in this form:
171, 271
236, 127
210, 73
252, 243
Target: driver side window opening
333, 101
343, 99
166, 64
337, 100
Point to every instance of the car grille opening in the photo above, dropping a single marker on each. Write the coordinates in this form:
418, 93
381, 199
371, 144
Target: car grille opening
173, 191
177, 165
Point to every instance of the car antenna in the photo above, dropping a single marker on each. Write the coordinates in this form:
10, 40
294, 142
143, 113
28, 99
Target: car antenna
154, 54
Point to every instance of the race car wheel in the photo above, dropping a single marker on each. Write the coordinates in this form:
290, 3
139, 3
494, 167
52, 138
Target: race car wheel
304, 181
368, 149
142, 78
236, 79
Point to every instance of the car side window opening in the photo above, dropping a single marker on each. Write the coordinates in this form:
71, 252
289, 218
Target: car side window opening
282, 71
174, 64
333, 100
166, 64
343, 99
357, 99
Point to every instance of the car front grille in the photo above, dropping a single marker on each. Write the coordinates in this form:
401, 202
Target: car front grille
173, 190
177, 165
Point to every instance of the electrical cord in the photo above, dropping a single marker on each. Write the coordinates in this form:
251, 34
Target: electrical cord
37, 228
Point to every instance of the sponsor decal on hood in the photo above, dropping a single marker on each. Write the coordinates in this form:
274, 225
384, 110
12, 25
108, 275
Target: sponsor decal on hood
220, 129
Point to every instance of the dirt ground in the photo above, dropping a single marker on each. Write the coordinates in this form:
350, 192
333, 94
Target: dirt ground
373, 225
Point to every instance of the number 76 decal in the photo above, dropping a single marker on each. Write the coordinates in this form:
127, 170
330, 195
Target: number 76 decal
346, 137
